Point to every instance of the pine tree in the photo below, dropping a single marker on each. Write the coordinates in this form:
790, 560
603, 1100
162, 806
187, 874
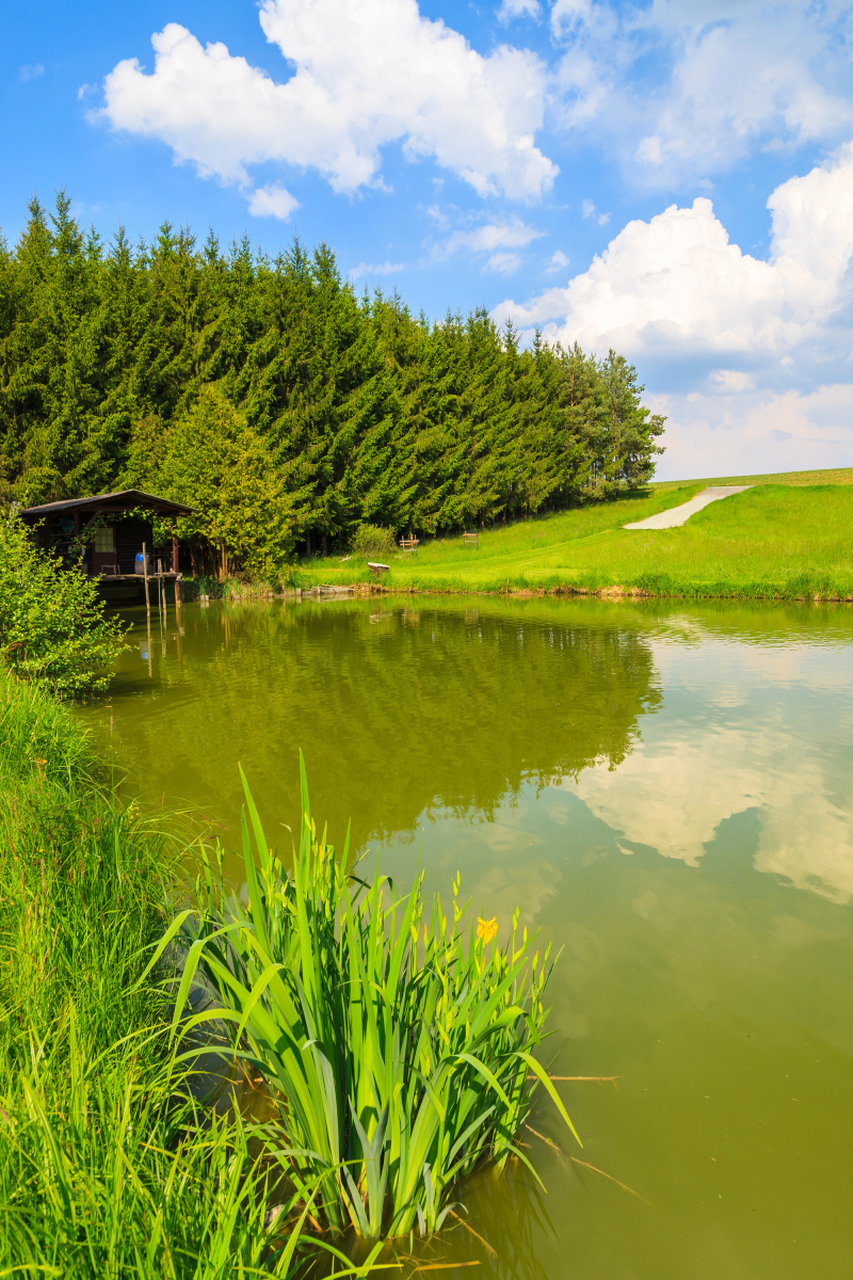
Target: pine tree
352, 409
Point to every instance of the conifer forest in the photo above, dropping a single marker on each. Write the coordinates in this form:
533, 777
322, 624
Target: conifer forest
283, 405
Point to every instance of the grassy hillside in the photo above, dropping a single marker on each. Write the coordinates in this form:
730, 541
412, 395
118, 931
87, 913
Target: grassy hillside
839, 475
788, 540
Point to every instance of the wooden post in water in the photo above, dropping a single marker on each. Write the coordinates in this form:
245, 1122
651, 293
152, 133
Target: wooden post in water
145, 573
161, 592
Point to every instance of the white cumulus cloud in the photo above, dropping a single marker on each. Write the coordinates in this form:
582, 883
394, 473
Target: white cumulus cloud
764, 346
513, 234
365, 75
684, 89
677, 284
557, 261
272, 201
497, 240
755, 431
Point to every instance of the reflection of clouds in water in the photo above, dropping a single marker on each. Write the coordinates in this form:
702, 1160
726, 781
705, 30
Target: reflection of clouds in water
728, 667
672, 794
525, 881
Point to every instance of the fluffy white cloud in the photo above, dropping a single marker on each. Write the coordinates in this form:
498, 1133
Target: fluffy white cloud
688, 88
498, 240
366, 75
677, 285
272, 201
518, 9
766, 345
557, 262
514, 234
748, 432
31, 71
736, 80
505, 263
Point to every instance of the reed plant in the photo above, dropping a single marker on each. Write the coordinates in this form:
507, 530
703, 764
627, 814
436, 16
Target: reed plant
397, 1041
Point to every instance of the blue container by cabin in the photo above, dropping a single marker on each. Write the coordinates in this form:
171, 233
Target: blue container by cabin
140, 566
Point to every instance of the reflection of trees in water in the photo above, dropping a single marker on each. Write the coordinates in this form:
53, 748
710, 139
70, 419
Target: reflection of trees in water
395, 716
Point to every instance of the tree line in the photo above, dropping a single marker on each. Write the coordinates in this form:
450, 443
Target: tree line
281, 404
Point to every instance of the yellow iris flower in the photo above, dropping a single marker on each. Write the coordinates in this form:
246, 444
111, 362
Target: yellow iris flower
486, 929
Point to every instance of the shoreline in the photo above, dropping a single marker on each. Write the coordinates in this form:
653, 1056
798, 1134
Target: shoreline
361, 590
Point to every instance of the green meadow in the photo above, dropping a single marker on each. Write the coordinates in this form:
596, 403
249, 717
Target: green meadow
789, 537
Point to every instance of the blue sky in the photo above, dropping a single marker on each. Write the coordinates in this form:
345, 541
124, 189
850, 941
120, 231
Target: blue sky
673, 178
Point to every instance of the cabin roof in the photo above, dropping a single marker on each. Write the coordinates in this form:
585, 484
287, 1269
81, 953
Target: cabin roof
121, 500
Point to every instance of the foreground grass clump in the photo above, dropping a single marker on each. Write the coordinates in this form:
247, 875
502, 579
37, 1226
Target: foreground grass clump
399, 1052
108, 1166
774, 541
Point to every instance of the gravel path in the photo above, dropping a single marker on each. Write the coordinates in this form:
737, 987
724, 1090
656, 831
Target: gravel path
680, 515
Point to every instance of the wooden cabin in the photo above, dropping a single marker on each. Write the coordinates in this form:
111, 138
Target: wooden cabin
112, 528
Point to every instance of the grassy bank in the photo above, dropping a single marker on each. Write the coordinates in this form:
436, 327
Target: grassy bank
107, 1167
775, 541
114, 1160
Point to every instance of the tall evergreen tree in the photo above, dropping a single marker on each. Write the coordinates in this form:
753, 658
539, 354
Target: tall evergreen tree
352, 409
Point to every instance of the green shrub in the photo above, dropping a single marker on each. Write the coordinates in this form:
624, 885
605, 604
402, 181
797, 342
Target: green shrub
373, 542
53, 628
399, 1054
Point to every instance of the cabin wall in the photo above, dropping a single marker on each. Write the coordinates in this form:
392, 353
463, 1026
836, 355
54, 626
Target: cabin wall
56, 533
129, 536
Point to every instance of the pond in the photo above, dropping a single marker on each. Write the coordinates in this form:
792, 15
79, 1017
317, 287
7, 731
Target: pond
666, 792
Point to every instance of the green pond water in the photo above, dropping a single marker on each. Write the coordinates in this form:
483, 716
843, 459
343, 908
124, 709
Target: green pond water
666, 792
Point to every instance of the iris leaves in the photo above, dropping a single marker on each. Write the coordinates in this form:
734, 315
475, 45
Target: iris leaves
397, 1046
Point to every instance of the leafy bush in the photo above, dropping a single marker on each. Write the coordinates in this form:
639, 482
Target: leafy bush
400, 1057
372, 541
53, 628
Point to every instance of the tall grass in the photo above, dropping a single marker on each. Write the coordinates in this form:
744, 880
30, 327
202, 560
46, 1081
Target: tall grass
104, 1171
108, 1165
39, 738
399, 1050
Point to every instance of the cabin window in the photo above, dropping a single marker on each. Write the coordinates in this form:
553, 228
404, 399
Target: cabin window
104, 540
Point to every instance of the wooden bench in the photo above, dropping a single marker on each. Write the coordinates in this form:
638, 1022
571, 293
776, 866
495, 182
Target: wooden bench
409, 546
470, 540
378, 569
